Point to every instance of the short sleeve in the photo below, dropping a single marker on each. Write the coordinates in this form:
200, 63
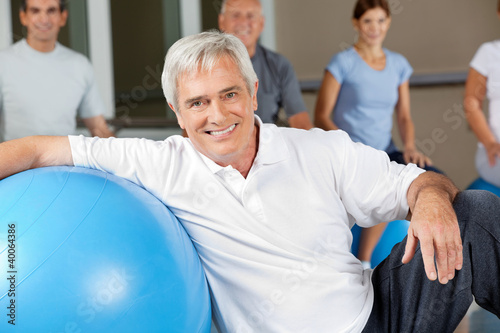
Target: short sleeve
372, 188
291, 93
480, 60
129, 158
405, 70
337, 66
92, 104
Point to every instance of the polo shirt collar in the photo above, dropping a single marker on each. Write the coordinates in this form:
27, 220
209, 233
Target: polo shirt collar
272, 148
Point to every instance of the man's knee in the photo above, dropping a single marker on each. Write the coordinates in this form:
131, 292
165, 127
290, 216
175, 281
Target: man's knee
477, 205
478, 198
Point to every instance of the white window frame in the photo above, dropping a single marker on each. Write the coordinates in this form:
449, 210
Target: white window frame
268, 37
5, 24
101, 50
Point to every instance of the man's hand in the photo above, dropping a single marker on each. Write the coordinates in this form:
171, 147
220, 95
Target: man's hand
434, 224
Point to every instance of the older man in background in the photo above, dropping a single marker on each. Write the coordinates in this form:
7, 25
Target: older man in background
278, 84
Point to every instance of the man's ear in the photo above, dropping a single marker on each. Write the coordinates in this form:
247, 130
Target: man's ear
221, 22
254, 97
22, 17
64, 16
180, 121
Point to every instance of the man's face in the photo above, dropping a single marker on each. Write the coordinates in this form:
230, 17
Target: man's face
243, 19
43, 19
217, 112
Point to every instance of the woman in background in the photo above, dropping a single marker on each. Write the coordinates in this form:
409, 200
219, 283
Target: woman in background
362, 87
484, 80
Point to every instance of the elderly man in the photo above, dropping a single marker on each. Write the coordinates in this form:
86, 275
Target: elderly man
44, 85
278, 85
270, 209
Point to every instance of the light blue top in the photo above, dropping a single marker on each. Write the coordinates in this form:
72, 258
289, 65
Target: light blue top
367, 96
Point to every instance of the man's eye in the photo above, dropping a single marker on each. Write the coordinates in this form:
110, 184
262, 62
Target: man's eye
230, 95
197, 104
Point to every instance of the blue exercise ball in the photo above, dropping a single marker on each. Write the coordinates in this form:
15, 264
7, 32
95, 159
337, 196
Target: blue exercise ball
481, 184
394, 233
86, 251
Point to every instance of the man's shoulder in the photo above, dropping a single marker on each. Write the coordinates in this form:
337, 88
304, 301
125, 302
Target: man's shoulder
10, 57
272, 56
314, 138
11, 50
66, 52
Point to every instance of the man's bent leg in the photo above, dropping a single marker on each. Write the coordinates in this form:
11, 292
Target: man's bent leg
406, 301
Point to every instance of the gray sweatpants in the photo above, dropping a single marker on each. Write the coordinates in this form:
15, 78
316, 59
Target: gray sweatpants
406, 301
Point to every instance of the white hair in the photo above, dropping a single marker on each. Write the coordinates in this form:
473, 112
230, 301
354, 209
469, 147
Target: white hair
203, 52
223, 6
224, 3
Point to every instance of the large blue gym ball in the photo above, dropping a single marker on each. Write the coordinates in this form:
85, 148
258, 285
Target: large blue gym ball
86, 251
394, 233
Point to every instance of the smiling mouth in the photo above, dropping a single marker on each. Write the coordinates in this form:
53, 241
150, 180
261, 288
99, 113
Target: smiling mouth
242, 33
43, 28
227, 130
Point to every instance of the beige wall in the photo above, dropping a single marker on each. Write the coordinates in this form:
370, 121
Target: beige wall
435, 36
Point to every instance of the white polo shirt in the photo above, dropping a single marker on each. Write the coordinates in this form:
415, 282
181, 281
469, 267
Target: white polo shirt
275, 246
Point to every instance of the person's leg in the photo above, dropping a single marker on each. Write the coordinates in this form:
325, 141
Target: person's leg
406, 301
368, 240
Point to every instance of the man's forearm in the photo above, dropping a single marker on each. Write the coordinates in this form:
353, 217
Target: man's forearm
430, 181
33, 152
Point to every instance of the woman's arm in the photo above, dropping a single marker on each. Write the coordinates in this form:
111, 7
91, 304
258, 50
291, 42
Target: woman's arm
327, 98
475, 92
407, 129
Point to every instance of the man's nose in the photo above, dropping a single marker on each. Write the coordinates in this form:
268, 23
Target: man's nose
43, 17
243, 19
218, 113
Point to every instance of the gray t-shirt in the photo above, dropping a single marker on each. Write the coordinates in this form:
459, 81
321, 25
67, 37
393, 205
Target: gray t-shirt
42, 93
278, 86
